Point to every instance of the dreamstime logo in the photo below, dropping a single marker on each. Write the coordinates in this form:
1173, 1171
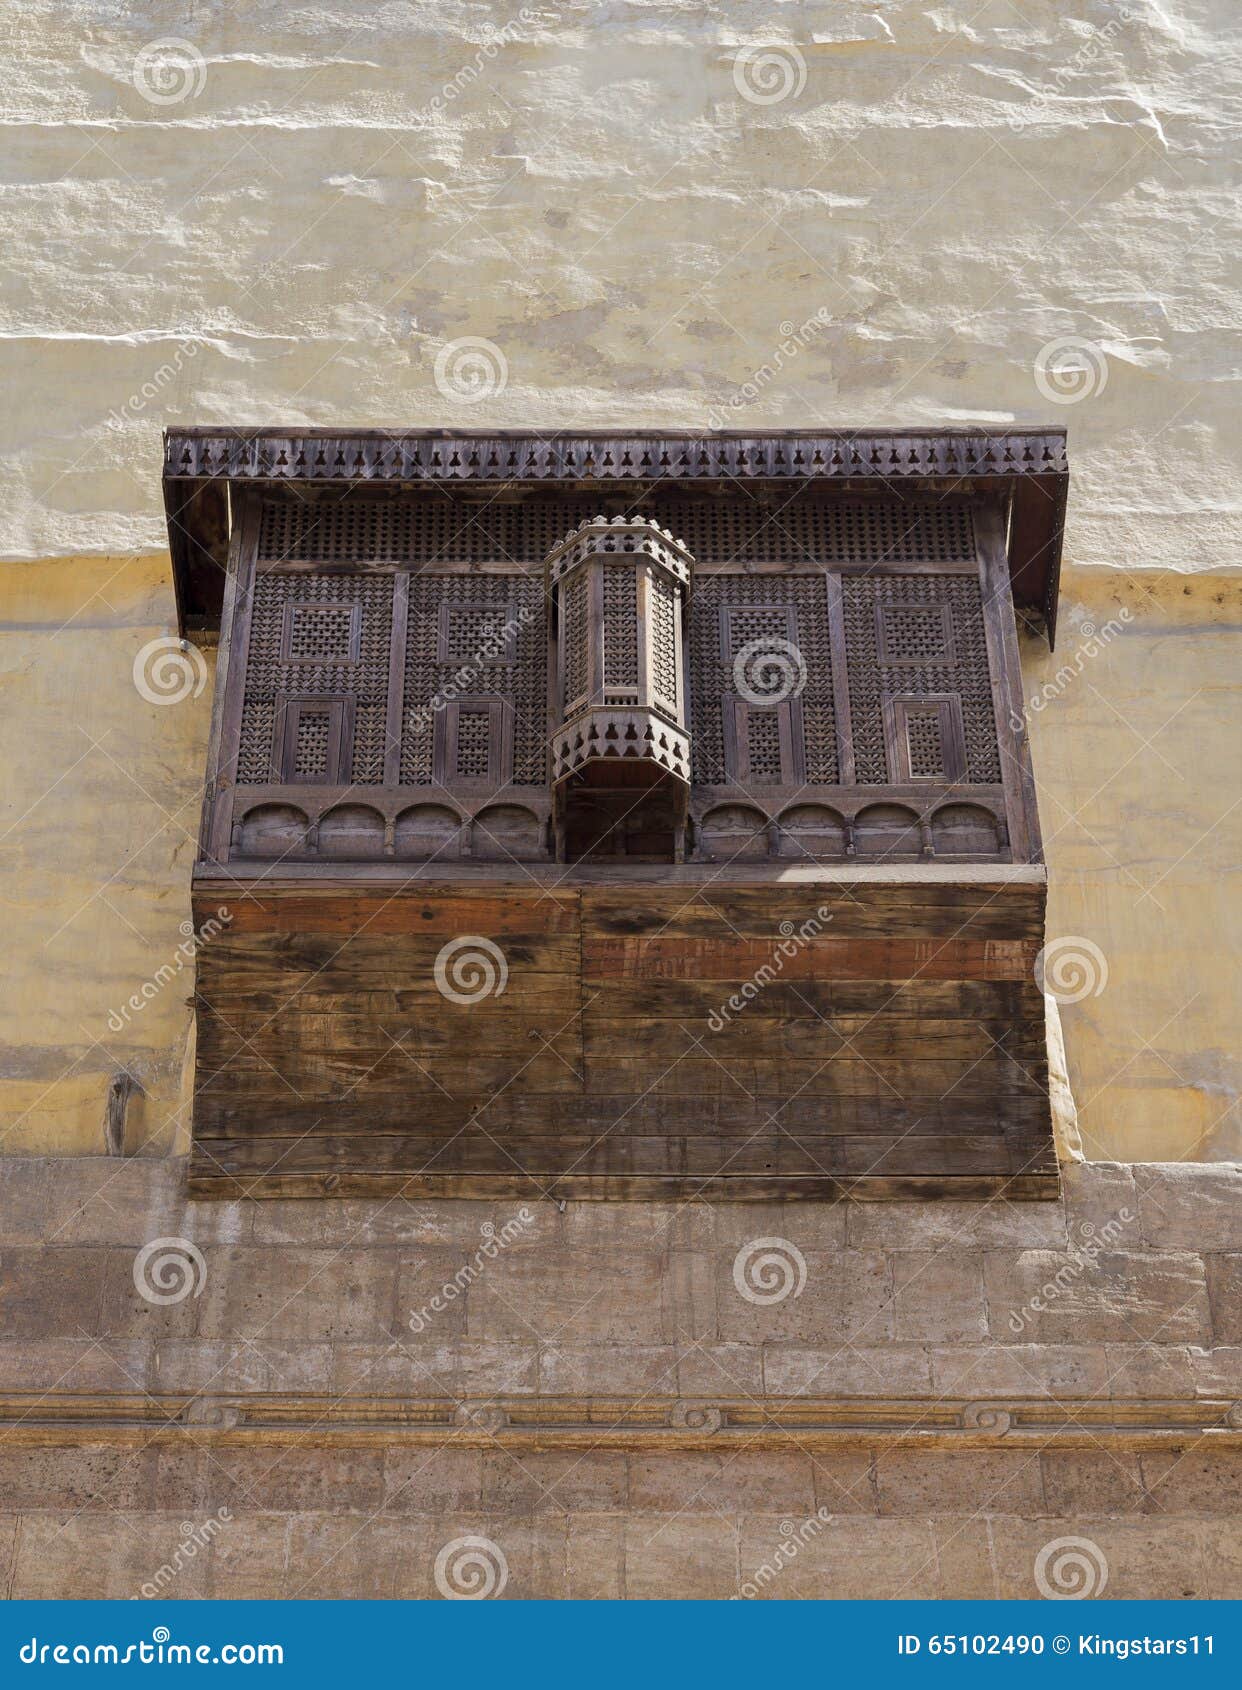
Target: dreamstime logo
793, 939
1085, 1250
767, 1270
1037, 108
764, 76
768, 671
471, 968
498, 643
1094, 639
162, 377
169, 70
470, 73
795, 1536
1070, 1569
471, 369
193, 1538
795, 338
493, 1243
1071, 968
1070, 369
167, 1270
168, 670
192, 940
470, 1569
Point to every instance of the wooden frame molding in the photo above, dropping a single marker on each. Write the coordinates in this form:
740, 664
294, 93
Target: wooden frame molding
1028, 467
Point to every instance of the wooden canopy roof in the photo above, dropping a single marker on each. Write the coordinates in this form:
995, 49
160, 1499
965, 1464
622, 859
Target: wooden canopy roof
1029, 466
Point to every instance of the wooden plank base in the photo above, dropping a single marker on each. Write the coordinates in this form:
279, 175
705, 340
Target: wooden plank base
598, 1041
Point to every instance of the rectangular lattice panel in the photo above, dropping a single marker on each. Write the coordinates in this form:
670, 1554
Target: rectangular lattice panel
484, 636
316, 636
799, 527
758, 637
912, 636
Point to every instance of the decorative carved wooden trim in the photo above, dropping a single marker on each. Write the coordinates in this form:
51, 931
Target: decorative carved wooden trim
1029, 465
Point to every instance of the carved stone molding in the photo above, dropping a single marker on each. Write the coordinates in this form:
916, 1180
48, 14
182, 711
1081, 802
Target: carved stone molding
66, 1419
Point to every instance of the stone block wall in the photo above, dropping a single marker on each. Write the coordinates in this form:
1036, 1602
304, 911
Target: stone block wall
623, 1400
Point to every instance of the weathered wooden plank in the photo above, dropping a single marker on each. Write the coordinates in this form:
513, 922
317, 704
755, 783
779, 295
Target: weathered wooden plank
447, 913
745, 1076
673, 957
1002, 1003
553, 1158
875, 1037
972, 912
629, 1188
326, 1077
290, 1036
902, 1043
514, 1113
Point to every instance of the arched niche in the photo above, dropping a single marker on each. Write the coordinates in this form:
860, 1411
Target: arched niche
427, 830
272, 830
351, 832
507, 832
965, 830
735, 833
812, 831
889, 831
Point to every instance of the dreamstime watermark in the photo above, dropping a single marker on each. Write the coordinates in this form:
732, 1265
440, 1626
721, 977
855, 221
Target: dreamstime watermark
471, 968
493, 1243
793, 939
471, 369
191, 943
169, 70
470, 72
168, 670
764, 76
168, 1270
470, 1569
160, 1651
497, 642
154, 386
1071, 968
1085, 1251
795, 1536
794, 340
1070, 1569
767, 1270
193, 1538
1070, 369
1094, 640
1037, 107
768, 671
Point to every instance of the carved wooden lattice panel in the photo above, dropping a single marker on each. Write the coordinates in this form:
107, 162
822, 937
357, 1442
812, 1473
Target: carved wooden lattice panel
911, 636
620, 625
926, 745
663, 635
768, 614
483, 636
473, 744
574, 680
793, 527
316, 636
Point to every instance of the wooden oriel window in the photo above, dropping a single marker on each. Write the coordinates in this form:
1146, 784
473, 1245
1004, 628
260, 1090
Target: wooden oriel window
829, 654
779, 666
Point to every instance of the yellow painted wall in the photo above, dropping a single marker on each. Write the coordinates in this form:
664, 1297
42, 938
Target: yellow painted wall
1138, 760
1137, 757
102, 793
